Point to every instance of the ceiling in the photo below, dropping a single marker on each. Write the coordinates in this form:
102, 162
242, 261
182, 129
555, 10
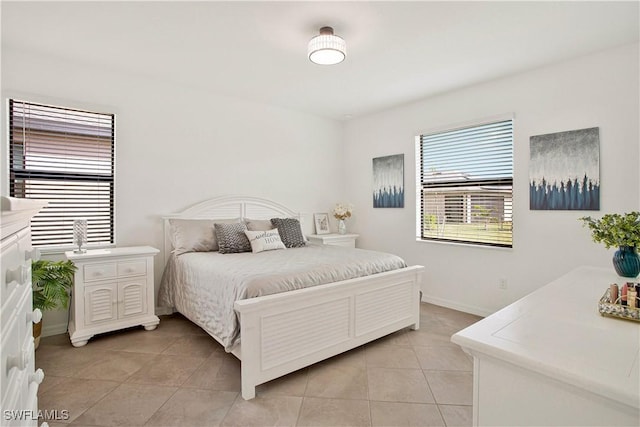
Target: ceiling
397, 52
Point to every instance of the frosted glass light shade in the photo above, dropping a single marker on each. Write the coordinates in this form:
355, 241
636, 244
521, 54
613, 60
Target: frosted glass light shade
327, 48
80, 234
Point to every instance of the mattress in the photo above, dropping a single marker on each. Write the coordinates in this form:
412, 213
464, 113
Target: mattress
203, 286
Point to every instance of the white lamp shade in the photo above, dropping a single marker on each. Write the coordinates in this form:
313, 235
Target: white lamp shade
327, 49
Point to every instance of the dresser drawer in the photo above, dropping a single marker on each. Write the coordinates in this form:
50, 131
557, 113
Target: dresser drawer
132, 268
94, 272
10, 350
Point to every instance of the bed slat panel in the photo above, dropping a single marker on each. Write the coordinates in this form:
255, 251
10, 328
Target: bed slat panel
297, 333
382, 307
221, 212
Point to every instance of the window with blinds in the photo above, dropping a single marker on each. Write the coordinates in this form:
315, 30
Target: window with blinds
66, 157
466, 182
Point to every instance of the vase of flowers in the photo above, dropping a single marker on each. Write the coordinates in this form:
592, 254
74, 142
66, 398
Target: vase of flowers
623, 232
342, 212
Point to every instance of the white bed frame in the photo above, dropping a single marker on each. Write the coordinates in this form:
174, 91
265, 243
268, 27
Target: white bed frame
284, 332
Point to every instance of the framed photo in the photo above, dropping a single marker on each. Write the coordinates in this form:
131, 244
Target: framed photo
322, 223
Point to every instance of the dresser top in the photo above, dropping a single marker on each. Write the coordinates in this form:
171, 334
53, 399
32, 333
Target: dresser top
558, 331
17, 212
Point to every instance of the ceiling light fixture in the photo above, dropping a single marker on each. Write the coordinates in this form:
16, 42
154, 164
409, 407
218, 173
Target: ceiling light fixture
327, 48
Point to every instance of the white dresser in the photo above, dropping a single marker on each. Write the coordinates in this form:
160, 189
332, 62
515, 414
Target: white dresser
552, 359
113, 289
18, 378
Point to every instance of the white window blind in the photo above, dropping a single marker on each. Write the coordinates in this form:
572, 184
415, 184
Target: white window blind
66, 157
466, 181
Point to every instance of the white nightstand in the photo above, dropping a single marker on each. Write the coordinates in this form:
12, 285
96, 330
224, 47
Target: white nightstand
113, 289
348, 240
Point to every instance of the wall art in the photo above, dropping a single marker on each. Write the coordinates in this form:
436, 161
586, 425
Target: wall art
564, 170
388, 181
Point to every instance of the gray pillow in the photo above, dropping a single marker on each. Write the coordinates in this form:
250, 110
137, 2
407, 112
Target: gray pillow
290, 232
231, 238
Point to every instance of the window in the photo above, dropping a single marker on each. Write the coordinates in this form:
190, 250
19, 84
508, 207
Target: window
466, 181
66, 157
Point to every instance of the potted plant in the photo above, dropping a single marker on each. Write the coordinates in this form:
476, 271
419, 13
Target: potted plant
51, 282
622, 231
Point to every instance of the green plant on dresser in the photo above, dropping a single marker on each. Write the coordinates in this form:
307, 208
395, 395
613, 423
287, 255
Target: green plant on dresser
51, 282
623, 231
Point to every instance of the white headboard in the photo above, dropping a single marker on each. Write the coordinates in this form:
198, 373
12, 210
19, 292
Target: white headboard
228, 207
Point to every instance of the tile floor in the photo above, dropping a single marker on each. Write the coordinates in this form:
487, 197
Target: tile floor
179, 376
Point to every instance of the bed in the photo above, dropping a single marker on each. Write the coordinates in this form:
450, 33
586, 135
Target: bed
277, 332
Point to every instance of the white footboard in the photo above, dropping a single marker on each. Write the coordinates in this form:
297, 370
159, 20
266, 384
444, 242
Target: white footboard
284, 332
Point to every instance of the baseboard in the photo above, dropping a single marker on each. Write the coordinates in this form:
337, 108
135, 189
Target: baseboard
478, 311
55, 329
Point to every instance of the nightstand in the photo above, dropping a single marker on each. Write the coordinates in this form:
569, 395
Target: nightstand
348, 240
113, 289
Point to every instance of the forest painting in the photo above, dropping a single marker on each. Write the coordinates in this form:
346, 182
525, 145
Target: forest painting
388, 181
564, 171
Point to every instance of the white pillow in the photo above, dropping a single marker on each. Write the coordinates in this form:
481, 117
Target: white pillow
265, 240
194, 235
258, 224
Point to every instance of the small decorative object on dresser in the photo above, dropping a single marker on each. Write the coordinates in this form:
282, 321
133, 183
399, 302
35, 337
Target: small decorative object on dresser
113, 289
80, 234
342, 212
322, 223
622, 231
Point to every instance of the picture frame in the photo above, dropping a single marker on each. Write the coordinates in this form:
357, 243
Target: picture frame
321, 221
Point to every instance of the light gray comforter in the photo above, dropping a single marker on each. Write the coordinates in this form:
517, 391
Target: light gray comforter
203, 286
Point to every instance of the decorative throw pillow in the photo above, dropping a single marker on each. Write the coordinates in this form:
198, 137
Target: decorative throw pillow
290, 231
258, 224
265, 240
231, 238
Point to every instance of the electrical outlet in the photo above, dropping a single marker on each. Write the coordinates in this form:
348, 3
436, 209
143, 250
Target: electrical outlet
502, 284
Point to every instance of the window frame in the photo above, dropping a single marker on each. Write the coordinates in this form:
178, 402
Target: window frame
69, 105
420, 189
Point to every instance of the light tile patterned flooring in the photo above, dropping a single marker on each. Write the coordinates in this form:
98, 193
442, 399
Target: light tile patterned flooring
179, 376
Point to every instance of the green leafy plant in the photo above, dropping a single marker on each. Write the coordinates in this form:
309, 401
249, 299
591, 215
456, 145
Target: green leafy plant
51, 282
615, 230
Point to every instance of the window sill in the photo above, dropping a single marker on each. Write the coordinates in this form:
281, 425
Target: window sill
464, 244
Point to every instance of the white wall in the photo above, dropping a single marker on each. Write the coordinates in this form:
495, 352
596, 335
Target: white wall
598, 90
176, 146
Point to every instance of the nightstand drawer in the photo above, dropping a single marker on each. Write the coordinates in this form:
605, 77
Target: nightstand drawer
132, 268
93, 272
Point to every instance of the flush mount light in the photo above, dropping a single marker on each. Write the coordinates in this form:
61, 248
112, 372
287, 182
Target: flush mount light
327, 48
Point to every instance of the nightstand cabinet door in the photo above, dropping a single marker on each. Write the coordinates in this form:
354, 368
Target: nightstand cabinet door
100, 303
132, 297
113, 289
